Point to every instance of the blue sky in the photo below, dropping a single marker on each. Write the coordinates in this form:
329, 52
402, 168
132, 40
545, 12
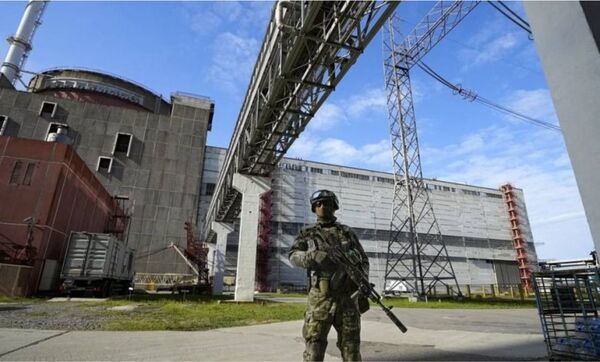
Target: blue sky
209, 48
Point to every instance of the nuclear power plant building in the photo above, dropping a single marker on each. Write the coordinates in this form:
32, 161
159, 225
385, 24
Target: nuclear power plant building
141, 147
475, 222
152, 153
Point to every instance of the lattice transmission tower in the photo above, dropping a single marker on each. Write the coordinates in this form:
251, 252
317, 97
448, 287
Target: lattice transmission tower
416, 254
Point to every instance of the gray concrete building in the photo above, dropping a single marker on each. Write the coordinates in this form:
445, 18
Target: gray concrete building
140, 146
154, 152
474, 221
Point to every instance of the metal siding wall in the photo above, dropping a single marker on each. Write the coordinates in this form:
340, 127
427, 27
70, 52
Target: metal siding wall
475, 227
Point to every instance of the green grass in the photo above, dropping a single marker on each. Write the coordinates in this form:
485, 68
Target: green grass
199, 315
466, 304
284, 295
196, 313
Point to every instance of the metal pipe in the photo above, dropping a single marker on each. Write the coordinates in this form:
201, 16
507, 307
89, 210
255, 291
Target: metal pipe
20, 43
279, 16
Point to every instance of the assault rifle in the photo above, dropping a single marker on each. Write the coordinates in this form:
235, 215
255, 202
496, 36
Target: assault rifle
351, 265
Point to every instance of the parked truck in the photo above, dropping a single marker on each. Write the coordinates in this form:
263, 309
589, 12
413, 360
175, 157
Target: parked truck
99, 264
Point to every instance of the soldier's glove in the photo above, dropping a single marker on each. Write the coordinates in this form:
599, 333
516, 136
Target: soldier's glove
318, 259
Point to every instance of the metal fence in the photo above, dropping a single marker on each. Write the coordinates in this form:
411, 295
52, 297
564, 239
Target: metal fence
14, 280
162, 281
568, 307
484, 291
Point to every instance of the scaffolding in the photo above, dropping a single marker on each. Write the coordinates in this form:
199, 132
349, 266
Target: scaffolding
197, 252
264, 243
118, 222
517, 236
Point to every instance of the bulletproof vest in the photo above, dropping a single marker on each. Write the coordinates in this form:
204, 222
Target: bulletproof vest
334, 279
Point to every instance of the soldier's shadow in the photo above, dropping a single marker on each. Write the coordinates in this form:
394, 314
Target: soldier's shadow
379, 351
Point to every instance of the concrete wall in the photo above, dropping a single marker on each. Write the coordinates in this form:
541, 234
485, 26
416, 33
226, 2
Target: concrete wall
161, 175
473, 220
567, 37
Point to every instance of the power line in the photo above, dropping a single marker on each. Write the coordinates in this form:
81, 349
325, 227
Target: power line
523, 21
473, 96
519, 21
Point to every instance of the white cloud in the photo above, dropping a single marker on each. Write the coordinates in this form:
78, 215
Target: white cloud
205, 18
496, 48
526, 158
371, 99
536, 103
232, 62
334, 150
359, 107
487, 46
328, 116
232, 53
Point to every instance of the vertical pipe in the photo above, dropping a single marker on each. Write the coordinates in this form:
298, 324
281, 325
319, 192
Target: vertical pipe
20, 43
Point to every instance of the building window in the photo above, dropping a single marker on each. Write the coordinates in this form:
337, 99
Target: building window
122, 143
16, 173
210, 189
495, 196
293, 167
473, 193
385, 180
104, 164
53, 128
335, 173
3, 124
316, 170
28, 174
48, 109
355, 175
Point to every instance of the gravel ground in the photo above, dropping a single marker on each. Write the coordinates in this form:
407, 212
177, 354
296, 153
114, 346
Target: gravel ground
60, 315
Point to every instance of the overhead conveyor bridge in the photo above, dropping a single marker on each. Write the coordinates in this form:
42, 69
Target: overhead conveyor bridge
308, 48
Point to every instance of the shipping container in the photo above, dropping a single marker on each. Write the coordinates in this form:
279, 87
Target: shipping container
97, 263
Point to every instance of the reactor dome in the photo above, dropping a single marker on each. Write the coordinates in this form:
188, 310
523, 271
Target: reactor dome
96, 87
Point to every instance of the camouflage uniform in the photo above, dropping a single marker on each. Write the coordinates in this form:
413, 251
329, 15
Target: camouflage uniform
329, 301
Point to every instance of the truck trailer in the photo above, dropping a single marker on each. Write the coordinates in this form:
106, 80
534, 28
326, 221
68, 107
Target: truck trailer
99, 264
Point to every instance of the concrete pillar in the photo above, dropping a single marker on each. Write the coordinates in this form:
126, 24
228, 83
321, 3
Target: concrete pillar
567, 37
251, 187
222, 230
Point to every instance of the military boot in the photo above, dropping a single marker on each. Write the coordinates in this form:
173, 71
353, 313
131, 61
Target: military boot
314, 351
350, 352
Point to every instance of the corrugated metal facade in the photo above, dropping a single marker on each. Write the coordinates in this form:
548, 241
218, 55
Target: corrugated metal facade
473, 220
49, 184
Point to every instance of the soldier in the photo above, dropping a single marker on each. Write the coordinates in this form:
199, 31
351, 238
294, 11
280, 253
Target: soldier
330, 294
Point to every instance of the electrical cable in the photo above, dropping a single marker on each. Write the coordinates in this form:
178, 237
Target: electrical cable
472, 96
523, 21
152, 252
522, 26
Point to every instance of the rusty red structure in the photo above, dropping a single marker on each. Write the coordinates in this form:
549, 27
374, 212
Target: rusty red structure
264, 243
197, 252
46, 191
517, 236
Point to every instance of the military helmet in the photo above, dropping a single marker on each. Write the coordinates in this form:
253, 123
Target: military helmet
321, 195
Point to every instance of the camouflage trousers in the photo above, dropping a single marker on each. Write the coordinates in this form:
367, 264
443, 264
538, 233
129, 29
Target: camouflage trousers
324, 311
